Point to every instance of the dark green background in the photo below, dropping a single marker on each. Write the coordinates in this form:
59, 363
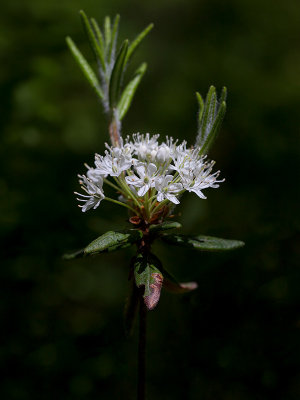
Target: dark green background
238, 336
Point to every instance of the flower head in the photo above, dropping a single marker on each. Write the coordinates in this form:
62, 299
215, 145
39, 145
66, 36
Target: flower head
147, 175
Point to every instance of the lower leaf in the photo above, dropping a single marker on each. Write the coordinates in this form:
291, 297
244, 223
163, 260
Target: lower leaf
147, 273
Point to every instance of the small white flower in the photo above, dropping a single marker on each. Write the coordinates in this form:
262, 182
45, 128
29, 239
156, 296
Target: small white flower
145, 179
167, 190
200, 178
113, 163
94, 193
94, 175
144, 146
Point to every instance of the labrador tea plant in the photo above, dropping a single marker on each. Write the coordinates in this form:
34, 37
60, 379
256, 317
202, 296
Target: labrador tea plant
149, 175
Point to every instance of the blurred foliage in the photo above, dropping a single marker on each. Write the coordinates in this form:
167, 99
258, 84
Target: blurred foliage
237, 336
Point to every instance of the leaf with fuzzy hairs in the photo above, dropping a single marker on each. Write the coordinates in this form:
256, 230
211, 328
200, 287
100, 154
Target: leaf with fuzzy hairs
95, 45
211, 114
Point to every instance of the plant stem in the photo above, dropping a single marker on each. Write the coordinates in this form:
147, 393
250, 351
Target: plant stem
114, 132
120, 203
121, 181
117, 188
141, 392
161, 204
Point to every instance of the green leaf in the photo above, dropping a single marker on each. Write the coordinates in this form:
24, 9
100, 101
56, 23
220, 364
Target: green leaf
215, 129
211, 114
208, 114
201, 106
98, 34
98, 51
173, 286
147, 273
134, 45
114, 37
85, 67
116, 75
223, 94
111, 241
204, 243
107, 32
129, 91
165, 226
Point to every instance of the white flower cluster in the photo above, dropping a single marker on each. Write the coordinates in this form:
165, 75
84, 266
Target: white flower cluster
147, 175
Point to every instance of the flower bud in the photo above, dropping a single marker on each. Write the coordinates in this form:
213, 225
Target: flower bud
142, 151
153, 155
116, 152
163, 154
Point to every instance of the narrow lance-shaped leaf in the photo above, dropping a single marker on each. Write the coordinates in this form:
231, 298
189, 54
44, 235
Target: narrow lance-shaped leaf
204, 243
223, 95
98, 34
215, 129
107, 33
133, 46
129, 91
201, 106
210, 118
116, 75
114, 38
147, 273
217, 123
172, 285
207, 116
93, 39
85, 67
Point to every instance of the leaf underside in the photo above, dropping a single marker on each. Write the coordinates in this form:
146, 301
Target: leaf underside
147, 273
